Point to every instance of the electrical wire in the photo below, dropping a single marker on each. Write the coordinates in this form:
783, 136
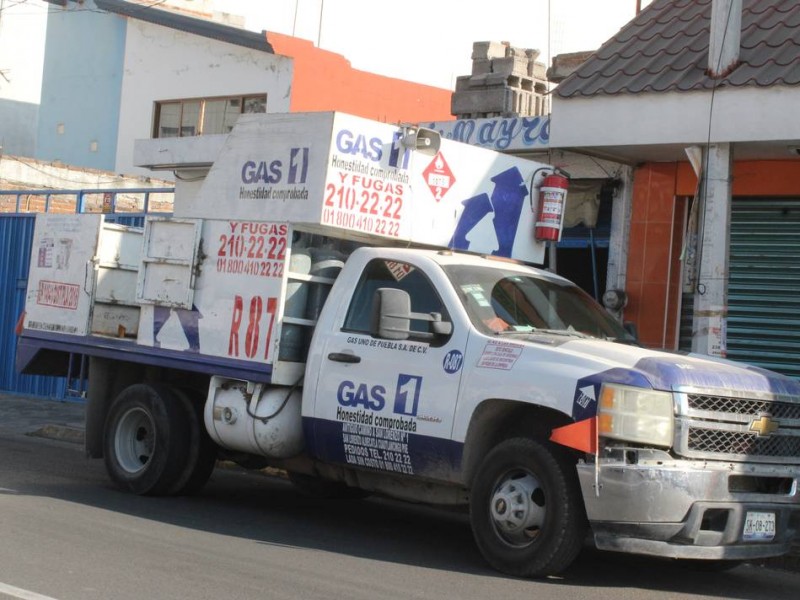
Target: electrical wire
602, 168
11, 4
49, 174
700, 288
278, 410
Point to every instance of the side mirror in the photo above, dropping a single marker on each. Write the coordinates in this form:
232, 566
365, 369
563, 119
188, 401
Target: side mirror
391, 314
439, 327
391, 317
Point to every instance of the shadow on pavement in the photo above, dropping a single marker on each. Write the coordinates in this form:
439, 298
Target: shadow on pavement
268, 510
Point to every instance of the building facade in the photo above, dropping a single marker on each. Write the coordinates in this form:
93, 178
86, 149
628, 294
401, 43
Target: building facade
698, 97
22, 26
112, 70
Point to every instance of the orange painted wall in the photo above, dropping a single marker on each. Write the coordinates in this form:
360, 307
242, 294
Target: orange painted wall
325, 81
651, 283
751, 178
660, 191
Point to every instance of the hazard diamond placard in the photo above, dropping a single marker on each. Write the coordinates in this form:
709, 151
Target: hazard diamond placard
438, 176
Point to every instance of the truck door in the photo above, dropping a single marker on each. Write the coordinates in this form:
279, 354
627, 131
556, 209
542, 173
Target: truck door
388, 404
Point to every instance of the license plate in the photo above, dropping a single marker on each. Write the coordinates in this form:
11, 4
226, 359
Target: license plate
759, 527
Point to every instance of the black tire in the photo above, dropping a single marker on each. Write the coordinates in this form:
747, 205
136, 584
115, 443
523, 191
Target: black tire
526, 509
201, 453
146, 440
316, 487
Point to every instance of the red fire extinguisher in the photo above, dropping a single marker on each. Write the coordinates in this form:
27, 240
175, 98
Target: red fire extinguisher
550, 211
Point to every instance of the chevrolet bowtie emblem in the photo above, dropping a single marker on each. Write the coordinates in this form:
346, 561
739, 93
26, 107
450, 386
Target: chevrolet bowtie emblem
764, 426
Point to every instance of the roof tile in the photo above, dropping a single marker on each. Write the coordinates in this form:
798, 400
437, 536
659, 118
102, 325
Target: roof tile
665, 48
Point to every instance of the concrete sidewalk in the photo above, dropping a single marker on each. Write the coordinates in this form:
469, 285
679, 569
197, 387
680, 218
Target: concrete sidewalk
43, 417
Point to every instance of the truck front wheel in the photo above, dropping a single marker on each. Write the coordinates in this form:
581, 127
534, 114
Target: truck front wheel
526, 509
146, 439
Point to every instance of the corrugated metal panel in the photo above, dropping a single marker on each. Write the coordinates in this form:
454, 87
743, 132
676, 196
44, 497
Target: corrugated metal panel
16, 235
127, 220
764, 284
685, 327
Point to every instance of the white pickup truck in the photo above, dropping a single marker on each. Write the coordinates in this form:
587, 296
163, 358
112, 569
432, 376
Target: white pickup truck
325, 301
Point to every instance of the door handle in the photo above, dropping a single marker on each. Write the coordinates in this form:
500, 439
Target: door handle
344, 357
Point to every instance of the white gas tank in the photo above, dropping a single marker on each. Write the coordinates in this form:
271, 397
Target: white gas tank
254, 418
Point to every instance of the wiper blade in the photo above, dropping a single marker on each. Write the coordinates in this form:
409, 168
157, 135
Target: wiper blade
534, 330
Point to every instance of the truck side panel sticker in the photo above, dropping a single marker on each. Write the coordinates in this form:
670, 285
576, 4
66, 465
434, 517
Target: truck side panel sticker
500, 355
398, 270
353, 395
370, 342
505, 206
58, 295
373, 398
584, 404
406, 396
369, 446
189, 325
452, 361
377, 448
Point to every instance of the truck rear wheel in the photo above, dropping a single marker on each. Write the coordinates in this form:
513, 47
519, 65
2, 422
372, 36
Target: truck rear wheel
526, 509
146, 439
202, 451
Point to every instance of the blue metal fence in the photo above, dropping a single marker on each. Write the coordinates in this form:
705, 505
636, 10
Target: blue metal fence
16, 237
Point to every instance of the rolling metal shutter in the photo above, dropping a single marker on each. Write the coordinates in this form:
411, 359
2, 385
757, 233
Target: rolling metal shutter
764, 284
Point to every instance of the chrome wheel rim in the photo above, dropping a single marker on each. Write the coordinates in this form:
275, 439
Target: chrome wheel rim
517, 508
134, 440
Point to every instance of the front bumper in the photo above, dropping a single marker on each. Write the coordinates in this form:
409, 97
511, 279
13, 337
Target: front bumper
646, 502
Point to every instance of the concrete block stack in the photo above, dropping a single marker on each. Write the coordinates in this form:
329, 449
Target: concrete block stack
505, 82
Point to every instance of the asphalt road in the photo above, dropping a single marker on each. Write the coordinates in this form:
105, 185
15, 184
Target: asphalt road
66, 533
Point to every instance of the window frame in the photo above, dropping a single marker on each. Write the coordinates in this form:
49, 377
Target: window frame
200, 124
414, 336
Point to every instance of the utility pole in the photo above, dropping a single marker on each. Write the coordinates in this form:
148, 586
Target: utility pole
319, 30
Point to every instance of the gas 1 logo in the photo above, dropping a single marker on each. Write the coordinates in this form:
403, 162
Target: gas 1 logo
354, 144
348, 142
373, 397
452, 361
406, 396
399, 155
295, 169
352, 395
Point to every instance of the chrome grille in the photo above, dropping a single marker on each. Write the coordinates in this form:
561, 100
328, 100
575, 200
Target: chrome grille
726, 428
744, 406
737, 443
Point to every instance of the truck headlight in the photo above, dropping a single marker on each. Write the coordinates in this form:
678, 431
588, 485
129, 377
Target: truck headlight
635, 415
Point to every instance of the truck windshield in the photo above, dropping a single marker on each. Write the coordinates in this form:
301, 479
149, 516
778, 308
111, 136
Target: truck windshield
507, 302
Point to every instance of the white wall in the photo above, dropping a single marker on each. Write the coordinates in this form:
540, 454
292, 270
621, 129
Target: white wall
747, 114
22, 34
164, 64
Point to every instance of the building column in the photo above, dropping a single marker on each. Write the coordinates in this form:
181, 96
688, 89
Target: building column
709, 327
616, 273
